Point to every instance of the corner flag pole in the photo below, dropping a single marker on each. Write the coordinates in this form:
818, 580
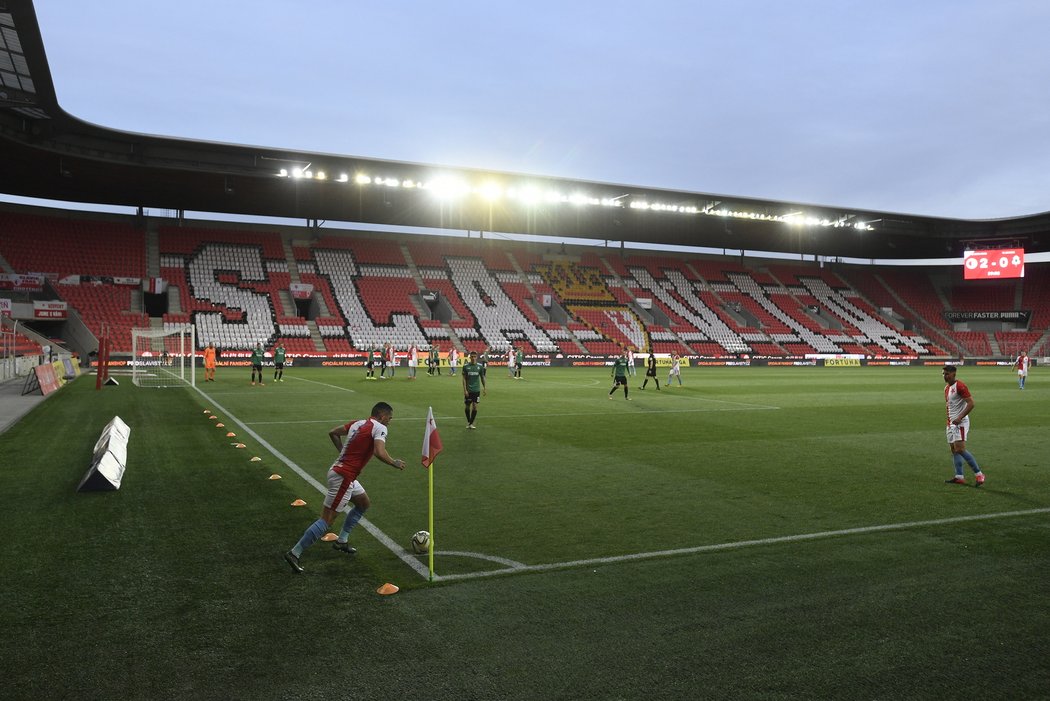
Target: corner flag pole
431, 448
430, 521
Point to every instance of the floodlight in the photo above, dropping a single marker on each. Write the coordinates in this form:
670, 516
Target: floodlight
490, 191
362, 179
447, 187
527, 194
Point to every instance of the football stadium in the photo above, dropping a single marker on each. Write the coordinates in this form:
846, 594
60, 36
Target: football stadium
626, 442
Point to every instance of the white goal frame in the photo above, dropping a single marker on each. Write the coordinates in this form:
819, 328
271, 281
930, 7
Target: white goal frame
164, 357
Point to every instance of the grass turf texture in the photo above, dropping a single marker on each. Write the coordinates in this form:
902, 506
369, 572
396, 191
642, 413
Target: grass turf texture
173, 587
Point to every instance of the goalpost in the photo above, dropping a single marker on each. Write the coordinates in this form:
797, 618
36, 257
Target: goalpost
164, 357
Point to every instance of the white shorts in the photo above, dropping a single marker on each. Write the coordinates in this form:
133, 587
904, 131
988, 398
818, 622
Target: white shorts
1022, 373
340, 491
958, 433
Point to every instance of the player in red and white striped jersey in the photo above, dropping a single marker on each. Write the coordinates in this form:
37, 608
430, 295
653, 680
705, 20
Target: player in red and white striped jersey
364, 439
958, 404
1022, 363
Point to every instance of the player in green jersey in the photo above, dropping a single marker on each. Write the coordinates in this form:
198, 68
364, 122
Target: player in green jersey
278, 363
619, 375
256, 361
473, 387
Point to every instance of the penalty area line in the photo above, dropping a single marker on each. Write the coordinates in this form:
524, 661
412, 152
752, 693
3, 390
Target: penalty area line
379, 535
571, 564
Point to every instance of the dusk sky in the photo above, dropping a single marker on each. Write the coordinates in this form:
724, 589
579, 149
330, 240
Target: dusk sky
926, 107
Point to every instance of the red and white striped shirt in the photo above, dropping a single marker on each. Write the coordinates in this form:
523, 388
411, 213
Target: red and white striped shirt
955, 396
359, 446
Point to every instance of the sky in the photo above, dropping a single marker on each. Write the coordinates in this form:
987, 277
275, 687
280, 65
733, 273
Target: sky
932, 107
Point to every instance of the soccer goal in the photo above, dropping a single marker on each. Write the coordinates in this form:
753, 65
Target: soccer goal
164, 357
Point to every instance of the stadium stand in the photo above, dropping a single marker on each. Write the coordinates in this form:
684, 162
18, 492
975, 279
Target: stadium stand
74, 246
14, 344
342, 272
189, 240
496, 314
233, 284
105, 307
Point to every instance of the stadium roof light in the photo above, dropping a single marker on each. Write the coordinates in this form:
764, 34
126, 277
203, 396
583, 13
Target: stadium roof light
447, 187
452, 186
528, 194
490, 190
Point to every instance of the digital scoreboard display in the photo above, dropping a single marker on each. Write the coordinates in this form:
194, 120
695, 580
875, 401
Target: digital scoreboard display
1000, 263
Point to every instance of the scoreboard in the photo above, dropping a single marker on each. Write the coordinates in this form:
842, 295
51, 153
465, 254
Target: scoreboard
999, 263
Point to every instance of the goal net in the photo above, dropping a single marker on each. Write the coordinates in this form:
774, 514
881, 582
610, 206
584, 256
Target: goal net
164, 357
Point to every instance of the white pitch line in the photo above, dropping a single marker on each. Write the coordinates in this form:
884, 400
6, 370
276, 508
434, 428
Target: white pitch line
324, 384
588, 383
741, 544
744, 407
383, 538
743, 404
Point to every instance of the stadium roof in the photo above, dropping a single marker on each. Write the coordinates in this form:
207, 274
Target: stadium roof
48, 153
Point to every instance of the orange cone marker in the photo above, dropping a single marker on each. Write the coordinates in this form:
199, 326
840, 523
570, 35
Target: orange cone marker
231, 434
387, 589
220, 425
298, 502
274, 476
256, 459
329, 537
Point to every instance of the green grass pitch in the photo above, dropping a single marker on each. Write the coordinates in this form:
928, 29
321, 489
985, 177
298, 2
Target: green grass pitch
586, 548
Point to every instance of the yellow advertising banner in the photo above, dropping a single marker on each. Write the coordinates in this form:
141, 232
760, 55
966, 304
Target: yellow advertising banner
842, 362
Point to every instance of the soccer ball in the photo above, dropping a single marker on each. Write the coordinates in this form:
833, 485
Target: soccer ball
421, 542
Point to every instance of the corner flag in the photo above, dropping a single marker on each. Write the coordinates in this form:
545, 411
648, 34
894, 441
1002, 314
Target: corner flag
431, 440
431, 448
